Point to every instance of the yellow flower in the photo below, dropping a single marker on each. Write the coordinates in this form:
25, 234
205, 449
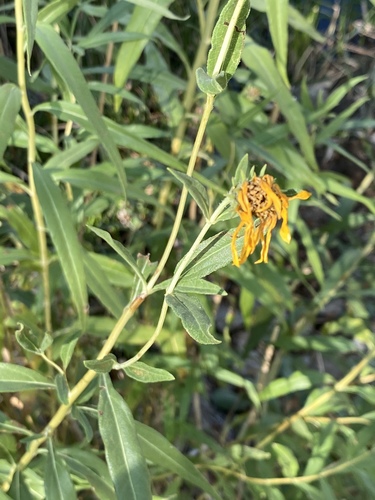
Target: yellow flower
263, 199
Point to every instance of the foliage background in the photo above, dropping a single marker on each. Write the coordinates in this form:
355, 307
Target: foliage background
284, 404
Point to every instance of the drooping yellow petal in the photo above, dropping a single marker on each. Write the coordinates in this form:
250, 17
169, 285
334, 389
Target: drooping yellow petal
302, 195
261, 199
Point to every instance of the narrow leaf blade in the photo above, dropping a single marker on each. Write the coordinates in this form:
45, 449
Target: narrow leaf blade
126, 463
57, 481
30, 9
62, 60
64, 237
14, 378
160, 451
10, 102
193, 317
147, 374
196, 190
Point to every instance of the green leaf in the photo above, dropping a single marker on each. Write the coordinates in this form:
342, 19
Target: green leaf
62, 60
235, 379
126, 462
81, 466
19, 489
282, 386
4, 496
97, 40
12, 179
67, 349
146, 268
47, 341
56, 10
13, 255
64, 237
119, 133
259, 60
62, 388
208, 84
147, 374
242, 171
335, 97
79, 415
143, 20
309, 492
241, 453
235, 39
193, 316
155, 7
15, 378
337, 184
277, 14
121, 250
323, 442
338, 123
30, 12
24, 227
195, 189
312, 252
28, 341
212, 254
10, 103
65, 159
286, 459
319, 343
103, 365
100, 286
161, 452
57, 481
200, 286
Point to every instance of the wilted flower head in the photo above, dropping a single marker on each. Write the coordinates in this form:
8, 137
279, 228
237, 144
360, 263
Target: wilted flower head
261, 203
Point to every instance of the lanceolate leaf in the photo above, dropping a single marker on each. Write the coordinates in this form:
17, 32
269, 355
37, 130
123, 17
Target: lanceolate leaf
80, 466
121, 250
15, 378
62, 60
64, 237
277, 13
55, 10
233, 55
126, 462
10, 102
30, 10
194, 318
259, 60
196, 190
211, 255
147, 374
160, 451
57, 481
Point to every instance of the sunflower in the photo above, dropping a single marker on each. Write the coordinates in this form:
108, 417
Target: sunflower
261, 203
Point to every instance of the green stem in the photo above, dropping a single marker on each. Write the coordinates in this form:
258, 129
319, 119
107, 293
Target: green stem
307, 410
278, 481
31, 156
188, 256
77, 390
199, 60
184, 193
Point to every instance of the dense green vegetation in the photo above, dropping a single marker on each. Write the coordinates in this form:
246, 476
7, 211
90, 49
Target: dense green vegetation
137, 361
